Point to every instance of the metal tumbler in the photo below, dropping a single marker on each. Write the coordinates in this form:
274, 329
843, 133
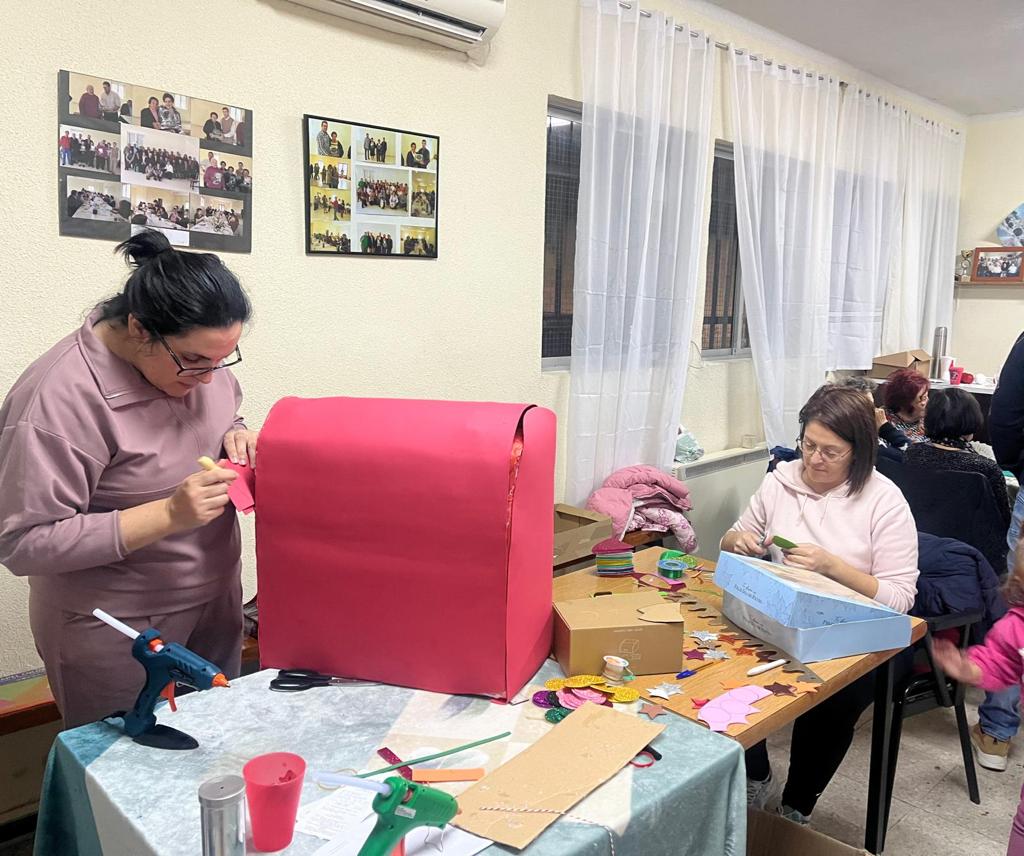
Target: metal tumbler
222, 811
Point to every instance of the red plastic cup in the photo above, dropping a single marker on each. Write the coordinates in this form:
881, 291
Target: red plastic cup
273, 785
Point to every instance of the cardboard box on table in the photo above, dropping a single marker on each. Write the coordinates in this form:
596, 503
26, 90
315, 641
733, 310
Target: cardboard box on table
804, 613
407, 542
918, 360
590, 628
577, 530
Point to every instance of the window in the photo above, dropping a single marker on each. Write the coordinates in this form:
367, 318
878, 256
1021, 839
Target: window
724, 330
725, 327
565, 126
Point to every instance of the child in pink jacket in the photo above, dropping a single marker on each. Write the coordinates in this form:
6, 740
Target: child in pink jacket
995, 665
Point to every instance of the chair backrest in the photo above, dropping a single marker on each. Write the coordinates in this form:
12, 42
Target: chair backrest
952, 504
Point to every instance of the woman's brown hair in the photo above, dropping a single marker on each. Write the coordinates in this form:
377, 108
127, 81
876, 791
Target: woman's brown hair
846, 412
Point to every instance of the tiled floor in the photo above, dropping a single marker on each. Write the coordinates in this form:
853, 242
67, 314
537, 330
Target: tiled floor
931, 813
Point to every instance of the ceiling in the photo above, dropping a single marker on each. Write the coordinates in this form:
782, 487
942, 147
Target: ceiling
965, 54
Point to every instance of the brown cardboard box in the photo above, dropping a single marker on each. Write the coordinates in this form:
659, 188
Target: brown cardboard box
577, 531
886, 364
772, 835
590, 628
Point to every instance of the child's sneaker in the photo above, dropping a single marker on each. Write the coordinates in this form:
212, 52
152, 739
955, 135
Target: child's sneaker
989, 752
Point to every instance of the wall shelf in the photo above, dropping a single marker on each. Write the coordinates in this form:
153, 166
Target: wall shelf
994, 283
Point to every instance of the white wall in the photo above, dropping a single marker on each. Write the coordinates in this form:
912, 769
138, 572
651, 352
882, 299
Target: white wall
465, 326
988, 319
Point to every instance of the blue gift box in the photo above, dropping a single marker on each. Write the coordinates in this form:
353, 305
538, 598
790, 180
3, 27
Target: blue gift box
804, 613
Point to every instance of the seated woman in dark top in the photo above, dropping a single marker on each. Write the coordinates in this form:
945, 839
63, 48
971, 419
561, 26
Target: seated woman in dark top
952, 419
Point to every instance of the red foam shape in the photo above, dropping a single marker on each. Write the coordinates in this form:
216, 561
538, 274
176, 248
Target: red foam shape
242, 491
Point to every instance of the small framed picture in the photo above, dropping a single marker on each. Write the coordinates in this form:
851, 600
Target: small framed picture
998, 264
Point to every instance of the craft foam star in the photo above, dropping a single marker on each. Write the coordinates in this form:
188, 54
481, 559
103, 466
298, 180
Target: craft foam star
694, 654
744, 651
781, 689
704, 637
767, 656
728, 638
652, 710
715, 655
665, 691
698, 703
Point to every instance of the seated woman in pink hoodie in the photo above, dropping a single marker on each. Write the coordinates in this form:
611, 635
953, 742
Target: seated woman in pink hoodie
851, 524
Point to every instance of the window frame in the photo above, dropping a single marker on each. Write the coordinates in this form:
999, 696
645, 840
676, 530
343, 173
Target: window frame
724, 149
571, 111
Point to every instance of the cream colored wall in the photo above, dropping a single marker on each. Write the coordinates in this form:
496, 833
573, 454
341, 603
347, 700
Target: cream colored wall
987, 320
466, 326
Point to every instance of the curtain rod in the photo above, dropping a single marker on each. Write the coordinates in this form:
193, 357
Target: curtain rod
740, 52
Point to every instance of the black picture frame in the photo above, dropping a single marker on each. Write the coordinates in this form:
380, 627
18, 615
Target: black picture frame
310, 120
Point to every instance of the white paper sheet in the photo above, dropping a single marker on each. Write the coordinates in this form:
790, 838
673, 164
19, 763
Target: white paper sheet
420, 842
335, 813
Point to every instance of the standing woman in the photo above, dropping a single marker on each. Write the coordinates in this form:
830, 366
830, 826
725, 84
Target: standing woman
852, 526
101, 503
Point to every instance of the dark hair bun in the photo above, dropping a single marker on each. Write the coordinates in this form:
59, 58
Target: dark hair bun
142, 247
170, 291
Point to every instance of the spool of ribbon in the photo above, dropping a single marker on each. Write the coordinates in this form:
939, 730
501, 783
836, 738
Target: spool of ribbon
672, 569
616, 670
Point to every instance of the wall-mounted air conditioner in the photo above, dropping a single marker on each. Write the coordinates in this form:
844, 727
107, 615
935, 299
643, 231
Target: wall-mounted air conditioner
459, 24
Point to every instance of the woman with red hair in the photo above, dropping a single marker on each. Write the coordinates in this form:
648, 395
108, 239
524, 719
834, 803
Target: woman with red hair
906, 397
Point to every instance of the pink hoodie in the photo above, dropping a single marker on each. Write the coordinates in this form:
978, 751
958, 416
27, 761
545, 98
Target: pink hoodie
1001, 657
873, 531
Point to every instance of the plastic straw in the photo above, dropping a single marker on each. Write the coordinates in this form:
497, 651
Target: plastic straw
352, 782
434, 757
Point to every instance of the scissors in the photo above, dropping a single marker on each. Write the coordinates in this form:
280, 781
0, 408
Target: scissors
297, 680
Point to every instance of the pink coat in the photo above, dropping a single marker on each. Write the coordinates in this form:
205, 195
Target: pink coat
1001, 657
643, 497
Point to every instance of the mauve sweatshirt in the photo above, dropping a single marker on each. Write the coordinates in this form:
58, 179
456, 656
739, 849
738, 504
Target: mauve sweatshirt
83, 436
873, 531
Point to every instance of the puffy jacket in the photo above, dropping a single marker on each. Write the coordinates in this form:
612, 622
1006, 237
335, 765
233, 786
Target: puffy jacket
956, 578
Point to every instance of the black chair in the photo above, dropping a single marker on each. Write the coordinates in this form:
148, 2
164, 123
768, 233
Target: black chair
952, 504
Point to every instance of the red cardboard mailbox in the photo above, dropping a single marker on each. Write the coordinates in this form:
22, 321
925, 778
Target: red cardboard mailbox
407, 542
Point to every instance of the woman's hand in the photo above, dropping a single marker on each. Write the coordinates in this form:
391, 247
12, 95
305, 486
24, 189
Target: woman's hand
955, 662
880, 418
746, 544
811, 557
240, 446
200, 499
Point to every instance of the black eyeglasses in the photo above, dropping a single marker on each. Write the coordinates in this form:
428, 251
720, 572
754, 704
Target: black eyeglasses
199, 372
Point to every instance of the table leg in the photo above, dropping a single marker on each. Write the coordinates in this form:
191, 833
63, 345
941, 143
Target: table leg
881, 743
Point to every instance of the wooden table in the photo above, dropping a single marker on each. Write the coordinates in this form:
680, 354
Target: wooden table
777, 711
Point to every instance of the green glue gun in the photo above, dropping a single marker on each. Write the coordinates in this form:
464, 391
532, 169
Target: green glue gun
401, 807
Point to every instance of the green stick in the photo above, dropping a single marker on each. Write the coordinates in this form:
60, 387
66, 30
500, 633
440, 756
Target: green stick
426, 758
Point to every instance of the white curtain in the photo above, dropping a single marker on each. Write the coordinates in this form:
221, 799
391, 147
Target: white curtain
866, 226
645, 152
784, 131
922, 295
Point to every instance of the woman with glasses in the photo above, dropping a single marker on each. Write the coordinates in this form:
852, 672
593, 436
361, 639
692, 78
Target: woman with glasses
102, 502
906, 399
850, 524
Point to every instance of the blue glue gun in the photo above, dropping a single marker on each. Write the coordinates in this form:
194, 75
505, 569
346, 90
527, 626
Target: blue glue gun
166, 663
